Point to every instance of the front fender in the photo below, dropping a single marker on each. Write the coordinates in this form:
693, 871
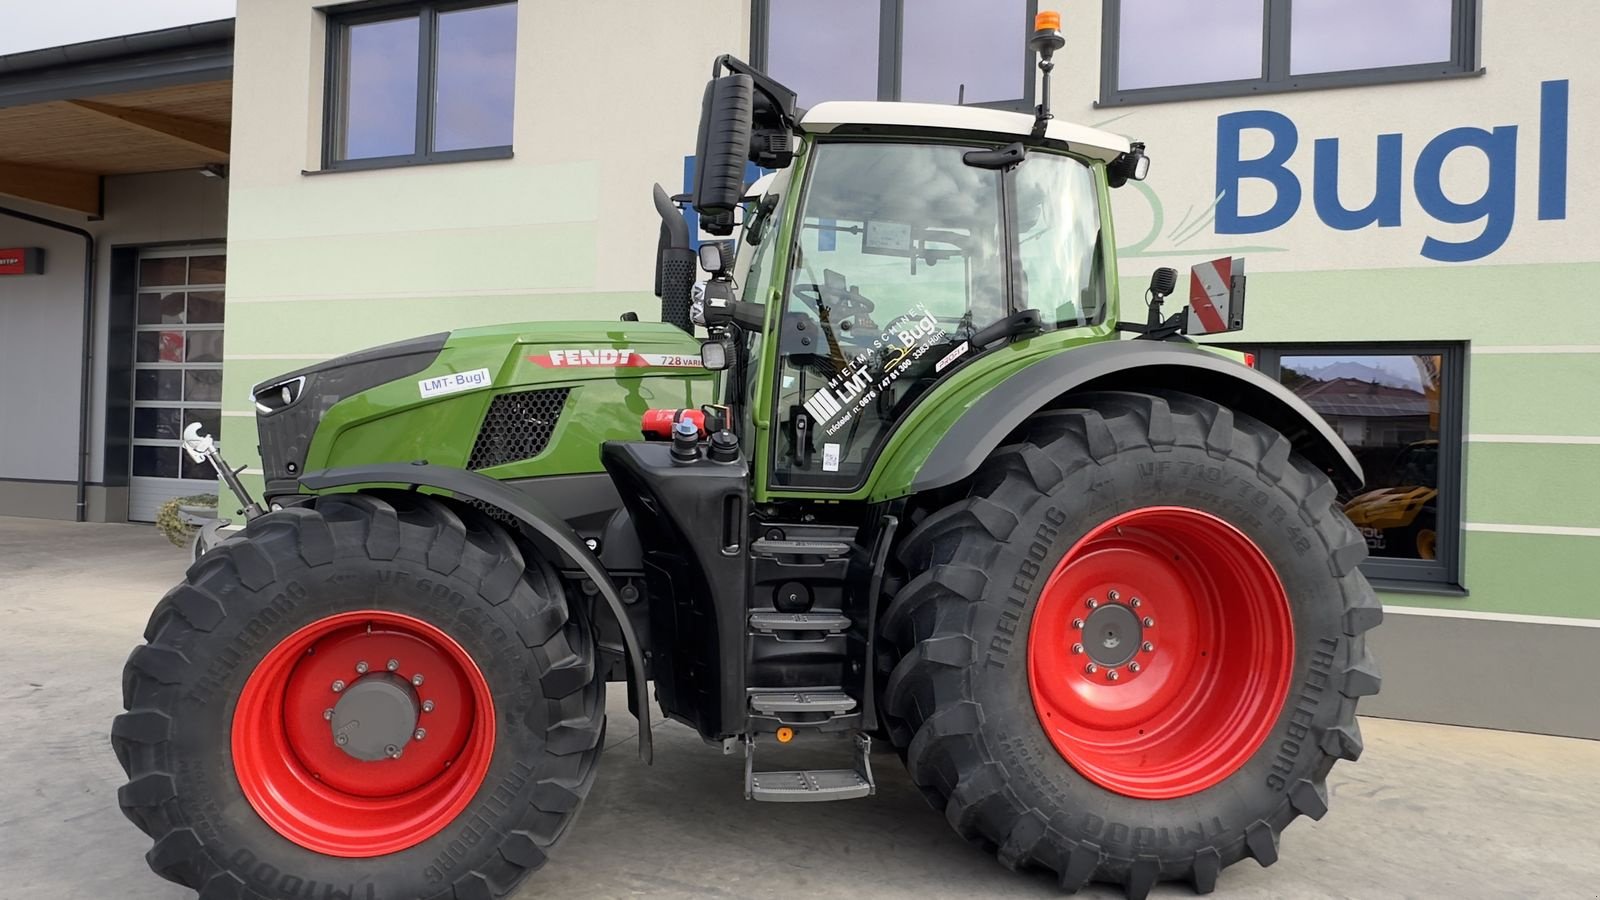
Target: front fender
1134, 366
536, 519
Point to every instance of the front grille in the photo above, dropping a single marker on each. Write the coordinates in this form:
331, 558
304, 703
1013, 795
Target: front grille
517, 426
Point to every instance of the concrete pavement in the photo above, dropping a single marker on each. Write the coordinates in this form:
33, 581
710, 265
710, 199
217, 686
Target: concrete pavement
1430, 811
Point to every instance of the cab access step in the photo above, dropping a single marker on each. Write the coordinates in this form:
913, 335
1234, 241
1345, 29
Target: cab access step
811, 785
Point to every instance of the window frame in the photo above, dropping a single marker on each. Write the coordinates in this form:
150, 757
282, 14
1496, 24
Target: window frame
1465, 28
335, 96
891, 51
1442, 575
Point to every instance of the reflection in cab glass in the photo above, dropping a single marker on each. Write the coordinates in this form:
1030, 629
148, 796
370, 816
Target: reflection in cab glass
1386, 408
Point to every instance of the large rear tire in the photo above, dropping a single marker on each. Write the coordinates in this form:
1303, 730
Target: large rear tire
370, 695
1133, 652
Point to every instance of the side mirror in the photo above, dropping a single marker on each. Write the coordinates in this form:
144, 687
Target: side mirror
714, 354
726, 120
1216, 297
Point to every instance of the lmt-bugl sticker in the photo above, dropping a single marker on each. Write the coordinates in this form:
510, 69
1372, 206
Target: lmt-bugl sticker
901, 343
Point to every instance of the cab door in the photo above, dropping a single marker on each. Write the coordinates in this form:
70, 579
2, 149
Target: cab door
897, 259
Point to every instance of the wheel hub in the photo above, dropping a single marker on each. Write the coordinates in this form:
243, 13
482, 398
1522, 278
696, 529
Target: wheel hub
375, 717
1112, 635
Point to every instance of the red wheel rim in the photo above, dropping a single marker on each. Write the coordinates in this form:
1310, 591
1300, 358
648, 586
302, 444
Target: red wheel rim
312, 791
1160, 652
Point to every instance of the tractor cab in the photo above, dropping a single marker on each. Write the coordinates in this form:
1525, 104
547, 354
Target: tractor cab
893, 243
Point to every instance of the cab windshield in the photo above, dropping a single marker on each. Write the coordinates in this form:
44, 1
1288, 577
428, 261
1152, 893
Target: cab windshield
902, 253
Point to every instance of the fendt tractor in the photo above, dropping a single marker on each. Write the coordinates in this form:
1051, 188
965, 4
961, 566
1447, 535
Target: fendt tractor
914, 484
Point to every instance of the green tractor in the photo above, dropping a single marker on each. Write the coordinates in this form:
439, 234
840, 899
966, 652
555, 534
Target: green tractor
912, 487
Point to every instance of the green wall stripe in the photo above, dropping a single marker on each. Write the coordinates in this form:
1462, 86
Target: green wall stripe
1433, 302
491, 194
466, 260
343, 326
1531, 574
1534, 394
1534, 484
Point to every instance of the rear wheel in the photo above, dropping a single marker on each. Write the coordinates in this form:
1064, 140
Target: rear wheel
1132, 653
370, 676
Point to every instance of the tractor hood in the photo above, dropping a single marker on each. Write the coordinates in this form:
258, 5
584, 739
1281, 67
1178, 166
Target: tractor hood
486, 397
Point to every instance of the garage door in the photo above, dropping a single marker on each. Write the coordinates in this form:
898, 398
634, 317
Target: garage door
177, 374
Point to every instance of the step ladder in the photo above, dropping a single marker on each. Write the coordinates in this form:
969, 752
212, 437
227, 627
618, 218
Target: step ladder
811, 785
780, 624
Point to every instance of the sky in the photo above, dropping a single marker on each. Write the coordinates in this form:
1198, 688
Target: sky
33, 25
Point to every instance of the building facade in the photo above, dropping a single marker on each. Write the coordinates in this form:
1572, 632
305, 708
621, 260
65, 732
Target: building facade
1403, 178
112, 154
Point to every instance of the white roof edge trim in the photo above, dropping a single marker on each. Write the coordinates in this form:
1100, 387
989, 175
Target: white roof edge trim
833, 114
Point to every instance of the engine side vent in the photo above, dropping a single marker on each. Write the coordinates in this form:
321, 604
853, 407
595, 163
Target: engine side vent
518, 426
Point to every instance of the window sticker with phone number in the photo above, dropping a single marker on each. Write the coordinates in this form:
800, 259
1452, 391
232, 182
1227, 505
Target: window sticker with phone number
902, 342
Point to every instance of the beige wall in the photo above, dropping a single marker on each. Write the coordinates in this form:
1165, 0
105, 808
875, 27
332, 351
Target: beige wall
1524, 43
607, 100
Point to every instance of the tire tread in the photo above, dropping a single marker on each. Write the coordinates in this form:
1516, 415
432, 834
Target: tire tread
945, 559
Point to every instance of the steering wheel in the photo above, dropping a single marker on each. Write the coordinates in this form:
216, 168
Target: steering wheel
840, 305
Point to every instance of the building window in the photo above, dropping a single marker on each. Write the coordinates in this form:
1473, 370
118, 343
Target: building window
1154, 50
935, 51
1399, 409
420, 83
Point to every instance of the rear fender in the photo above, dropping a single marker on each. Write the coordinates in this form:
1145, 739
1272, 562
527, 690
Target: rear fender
1133, 366
536, 520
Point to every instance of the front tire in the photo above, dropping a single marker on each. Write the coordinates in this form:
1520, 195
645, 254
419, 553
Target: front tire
1236, 675
370, 695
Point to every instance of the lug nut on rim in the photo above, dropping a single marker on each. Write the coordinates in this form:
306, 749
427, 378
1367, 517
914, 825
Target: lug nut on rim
420, 733
1091, 603
1113, 596
1091, 668
1149, 622
417, 679
1078, 624
1111, 675
327, 714
393, 664
338, 686
361, 667
1147, 647
427, 706
1077, 648
1135, 602
1133, 667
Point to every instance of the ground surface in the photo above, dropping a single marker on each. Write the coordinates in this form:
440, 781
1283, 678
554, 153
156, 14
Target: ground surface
1430, 811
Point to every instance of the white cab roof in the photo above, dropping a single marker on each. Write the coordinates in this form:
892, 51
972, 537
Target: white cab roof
833, 115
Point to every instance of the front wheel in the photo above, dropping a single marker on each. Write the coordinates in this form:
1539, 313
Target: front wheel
367, 696
1133, 652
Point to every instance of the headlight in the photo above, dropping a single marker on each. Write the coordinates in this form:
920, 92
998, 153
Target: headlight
269, 398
